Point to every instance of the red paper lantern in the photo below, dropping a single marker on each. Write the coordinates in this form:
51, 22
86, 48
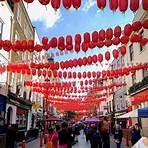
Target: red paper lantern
84, 74
30, 45
53, 42
38, 48
143, 41
55, 4
86, 37
67, 4
145, 24
124, 39
85, 61
49, 74
77, 48
95, 36
116, 41
75, 62
123, 50
44, 2
135, 38
107, 55
128, 30
91, 45
74, 75
69, 75
109, 34
80, 62
61, 43
100, 44
113, 4
79, 75
39, 72
101, 4
145, 4
94, 58
89, 60
60, 74
76, 3
102, 35
115, 54
89, 74
123, 5
77, 39
64, 74
117, 31
84, 47
44, 73
33, 72
28, 1
94, 74
108, 43
100, 57
136, 26
69, 45
45, 40
134, 5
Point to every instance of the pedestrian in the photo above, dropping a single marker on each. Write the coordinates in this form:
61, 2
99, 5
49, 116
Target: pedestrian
10, 137
136, 134
105, 133
51, 139
118, 134
77, 132
95, 138
63, 136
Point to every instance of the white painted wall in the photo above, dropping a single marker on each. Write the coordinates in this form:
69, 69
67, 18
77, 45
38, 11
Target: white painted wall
5, 16
13, 118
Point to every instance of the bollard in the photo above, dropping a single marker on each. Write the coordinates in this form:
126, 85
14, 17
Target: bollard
23, 144
41, 140
126, 140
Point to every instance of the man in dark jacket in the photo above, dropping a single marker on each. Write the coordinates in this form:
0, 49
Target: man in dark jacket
118, 136
95, 138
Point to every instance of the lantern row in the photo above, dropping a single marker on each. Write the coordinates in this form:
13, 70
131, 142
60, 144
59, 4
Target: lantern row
99, 39
60, 90
101, 4
109, 73
139, 99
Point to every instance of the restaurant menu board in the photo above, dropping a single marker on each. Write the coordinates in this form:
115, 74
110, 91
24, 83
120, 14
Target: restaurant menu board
142, 143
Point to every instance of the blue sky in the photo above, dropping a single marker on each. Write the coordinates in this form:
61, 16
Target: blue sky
87, 18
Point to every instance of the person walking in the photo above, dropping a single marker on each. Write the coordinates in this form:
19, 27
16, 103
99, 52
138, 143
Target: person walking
118, 134
63, 136
10, 137
136, 134
95, 138
51, 139
105, 133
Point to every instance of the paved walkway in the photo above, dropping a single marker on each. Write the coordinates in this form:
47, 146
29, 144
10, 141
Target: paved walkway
81, 144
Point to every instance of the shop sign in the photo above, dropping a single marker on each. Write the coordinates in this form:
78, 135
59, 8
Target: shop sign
14, 102
24, 106
36, 105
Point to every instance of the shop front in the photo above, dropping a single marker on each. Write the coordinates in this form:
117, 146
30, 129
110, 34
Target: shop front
140, 100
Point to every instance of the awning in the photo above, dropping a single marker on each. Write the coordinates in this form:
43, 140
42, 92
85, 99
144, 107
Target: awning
143, 113
53, 118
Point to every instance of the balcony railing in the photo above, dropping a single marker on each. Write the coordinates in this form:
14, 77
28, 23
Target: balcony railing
138, 86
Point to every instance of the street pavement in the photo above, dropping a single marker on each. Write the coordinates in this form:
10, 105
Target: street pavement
81, 144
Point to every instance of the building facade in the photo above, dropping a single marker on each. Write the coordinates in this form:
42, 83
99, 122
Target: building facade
138, 81
19, 98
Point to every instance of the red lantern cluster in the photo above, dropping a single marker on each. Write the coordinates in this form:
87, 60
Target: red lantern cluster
2, 69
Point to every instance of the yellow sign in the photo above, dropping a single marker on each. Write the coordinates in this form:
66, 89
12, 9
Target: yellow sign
36, 106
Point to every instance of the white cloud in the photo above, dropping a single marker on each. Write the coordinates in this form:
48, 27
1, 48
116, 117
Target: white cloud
88, 5
47, 15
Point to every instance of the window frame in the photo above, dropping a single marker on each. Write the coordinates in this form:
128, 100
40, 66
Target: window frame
1, 28
131, 52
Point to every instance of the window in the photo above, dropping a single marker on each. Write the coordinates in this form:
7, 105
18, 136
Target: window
1, 28
131, 51
133, 78
19, 17
141, 33
145, 73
